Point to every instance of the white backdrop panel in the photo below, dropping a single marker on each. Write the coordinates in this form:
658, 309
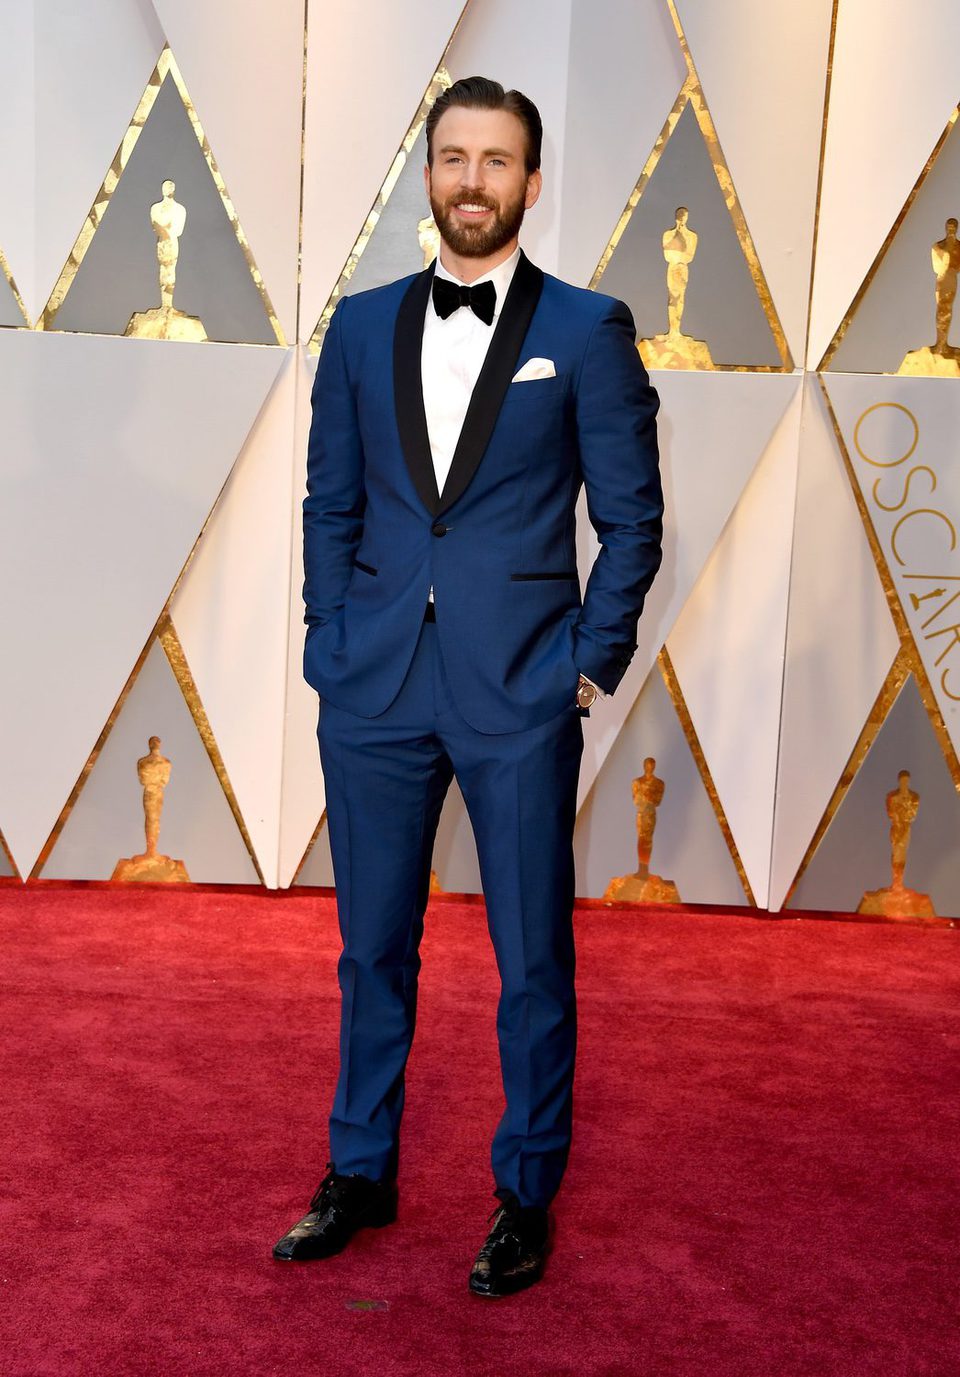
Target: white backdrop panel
841, 642
763, 70
728, 647
106, 490
896, 78
17, 134
229, 614
114, 453
107, 823
242, 63
902, 439
93, 61
368, 65
713, 429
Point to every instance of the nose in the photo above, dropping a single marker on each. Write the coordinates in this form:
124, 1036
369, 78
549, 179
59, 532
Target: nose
472, 177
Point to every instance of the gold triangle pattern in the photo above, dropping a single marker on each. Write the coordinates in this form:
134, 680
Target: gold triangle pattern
672, 685
15, 873
907, 642
310, 845
8, 278
691, 93
440, 81
188, 687
842, 328
91, 760
173, 650
828, 86
908, 662
164, 633
898, 674
166, 66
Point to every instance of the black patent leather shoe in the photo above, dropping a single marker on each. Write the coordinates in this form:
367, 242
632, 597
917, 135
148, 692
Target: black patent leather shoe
340, 1206
513, 1256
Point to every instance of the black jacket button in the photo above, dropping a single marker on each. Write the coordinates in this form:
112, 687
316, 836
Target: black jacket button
438, 529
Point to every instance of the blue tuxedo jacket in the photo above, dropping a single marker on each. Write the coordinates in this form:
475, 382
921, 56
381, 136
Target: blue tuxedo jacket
498, 544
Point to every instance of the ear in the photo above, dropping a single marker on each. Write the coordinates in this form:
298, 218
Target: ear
534, 187
426, 181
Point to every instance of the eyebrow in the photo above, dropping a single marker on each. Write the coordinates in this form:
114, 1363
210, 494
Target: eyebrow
487, 152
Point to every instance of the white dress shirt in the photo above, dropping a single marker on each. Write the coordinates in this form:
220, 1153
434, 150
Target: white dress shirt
451, 356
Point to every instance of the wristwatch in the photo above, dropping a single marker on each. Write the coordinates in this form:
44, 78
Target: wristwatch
586, 693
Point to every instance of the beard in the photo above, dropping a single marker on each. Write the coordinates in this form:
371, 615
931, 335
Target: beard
478, 241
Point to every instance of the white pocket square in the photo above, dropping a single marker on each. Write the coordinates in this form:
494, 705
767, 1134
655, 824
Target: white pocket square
535, 368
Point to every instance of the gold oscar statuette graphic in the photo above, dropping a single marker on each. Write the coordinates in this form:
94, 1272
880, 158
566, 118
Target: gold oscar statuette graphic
899, 902
642, 887
940, 360
675, 349
168, 218
153, 771
429, 237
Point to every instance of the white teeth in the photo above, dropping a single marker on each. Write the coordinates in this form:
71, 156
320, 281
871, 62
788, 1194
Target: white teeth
466, 207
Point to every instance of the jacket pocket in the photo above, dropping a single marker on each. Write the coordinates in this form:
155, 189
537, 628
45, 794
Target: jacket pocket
365, 568
530, 578
534, 390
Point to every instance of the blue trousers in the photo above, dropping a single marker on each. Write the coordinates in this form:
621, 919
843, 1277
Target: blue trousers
386, 779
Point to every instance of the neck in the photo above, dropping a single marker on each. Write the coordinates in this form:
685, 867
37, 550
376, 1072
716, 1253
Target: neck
469, 269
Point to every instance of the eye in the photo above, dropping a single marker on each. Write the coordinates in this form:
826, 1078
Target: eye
498, 162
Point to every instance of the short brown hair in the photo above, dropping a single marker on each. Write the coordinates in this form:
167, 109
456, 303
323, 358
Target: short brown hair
480, 93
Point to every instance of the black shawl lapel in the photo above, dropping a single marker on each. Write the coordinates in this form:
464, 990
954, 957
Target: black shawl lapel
408, 389
498, 368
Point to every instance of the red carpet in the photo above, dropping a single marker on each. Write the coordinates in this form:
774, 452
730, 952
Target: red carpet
765, 1174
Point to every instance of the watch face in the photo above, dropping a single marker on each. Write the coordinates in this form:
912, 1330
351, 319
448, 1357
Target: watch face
586, 695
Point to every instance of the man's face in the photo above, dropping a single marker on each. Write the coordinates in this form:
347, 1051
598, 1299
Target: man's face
478, 184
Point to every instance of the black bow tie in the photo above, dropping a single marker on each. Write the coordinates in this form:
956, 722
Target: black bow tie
450, 296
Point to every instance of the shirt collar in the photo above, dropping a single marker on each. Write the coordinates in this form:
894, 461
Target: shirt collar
501, 276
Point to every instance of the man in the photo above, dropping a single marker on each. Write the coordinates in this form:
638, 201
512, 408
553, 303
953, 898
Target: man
456, 414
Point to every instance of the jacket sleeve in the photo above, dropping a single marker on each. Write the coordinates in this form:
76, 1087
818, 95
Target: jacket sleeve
334, 504
616, 420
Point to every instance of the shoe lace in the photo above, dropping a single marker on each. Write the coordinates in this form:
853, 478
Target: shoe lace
503, 1216
330, 1190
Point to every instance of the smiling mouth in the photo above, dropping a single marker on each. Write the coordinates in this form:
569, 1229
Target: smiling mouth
471, 209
